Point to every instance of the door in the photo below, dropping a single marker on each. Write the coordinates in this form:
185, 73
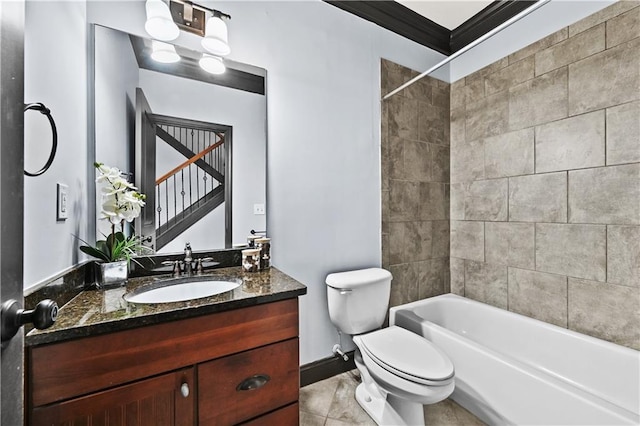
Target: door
11, 199
145, 171
164, 400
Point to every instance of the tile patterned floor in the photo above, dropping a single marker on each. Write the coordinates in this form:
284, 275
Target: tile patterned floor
331, 402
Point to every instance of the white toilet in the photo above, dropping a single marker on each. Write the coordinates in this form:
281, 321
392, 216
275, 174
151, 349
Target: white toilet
400, 370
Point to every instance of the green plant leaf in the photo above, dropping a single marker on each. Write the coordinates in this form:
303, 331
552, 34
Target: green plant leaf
115, 247
103, 246
92, 251
111, 241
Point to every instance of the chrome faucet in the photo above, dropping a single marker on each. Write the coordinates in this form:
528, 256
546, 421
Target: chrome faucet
188, 265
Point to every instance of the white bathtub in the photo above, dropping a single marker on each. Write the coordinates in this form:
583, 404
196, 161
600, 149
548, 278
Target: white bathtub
511, 369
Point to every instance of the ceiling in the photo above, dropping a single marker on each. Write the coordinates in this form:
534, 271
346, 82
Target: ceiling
445, 26
448, 13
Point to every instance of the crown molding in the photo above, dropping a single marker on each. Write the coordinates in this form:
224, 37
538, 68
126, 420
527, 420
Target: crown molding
484, 21
405, 22
401, 20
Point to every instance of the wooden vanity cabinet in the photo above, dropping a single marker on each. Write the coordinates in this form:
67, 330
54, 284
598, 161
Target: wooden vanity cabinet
219, 369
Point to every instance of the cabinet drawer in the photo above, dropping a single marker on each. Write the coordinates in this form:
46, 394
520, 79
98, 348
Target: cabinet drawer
65, 370
270, 375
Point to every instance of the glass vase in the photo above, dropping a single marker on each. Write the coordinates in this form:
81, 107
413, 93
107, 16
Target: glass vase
112, 274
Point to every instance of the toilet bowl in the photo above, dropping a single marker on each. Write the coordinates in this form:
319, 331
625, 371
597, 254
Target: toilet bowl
401, 371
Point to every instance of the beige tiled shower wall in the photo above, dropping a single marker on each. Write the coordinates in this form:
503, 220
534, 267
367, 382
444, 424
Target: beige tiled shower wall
415, 185
545, 179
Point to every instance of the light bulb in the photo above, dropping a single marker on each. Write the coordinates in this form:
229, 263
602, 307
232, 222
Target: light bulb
215, 37
159, 23
164, 52
212, 64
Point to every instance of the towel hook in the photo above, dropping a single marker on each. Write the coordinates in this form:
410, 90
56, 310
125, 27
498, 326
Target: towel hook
38, 106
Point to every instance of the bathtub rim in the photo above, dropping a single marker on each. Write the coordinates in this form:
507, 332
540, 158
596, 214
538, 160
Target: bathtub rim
543, 324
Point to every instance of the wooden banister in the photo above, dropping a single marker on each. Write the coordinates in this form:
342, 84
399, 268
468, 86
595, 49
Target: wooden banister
189, 162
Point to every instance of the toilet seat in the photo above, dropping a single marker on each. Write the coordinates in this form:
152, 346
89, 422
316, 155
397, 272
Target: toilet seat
406, 355
390, 383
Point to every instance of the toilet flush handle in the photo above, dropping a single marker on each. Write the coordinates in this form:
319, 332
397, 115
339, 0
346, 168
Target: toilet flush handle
346, 291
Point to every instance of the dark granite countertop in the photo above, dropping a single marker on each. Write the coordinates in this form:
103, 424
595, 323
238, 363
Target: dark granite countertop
95, 312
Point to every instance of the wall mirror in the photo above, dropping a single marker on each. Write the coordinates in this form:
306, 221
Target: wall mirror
194, 142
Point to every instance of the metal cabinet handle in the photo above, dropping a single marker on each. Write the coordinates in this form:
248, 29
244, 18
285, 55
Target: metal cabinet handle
253, 382
184, 390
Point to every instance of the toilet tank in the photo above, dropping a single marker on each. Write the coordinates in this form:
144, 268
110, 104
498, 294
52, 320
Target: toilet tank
358, 300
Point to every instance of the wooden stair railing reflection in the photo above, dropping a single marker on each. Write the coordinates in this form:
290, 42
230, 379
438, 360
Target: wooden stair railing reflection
190, 161
168, 229
176, 142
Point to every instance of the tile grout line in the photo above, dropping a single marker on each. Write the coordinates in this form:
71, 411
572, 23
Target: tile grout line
464, 277
605, 131
567, 289
508, 198
606, 253
568, 211
535, 246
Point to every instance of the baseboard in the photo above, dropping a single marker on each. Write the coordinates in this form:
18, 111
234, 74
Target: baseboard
325, 368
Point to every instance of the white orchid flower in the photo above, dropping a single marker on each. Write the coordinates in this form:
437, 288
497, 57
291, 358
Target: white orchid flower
118, 185
120, 202
110, 210
120, 199
107, 173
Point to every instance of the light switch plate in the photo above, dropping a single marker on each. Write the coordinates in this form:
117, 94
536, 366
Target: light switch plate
62, 202
258, 209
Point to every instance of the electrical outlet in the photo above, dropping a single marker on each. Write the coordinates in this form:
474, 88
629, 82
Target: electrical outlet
62, 202
258, 209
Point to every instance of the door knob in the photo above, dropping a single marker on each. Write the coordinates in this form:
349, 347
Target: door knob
14, 317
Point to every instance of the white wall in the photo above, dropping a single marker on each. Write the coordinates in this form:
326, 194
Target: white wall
546, 20
56, 75
324, 156
116, 79
206, 233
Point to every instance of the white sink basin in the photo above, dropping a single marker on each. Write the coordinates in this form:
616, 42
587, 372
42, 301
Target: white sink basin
180, 290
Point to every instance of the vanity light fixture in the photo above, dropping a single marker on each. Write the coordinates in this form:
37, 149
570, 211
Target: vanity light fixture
212, 64
160, 24
208, 23
164, 52
216, 36
164, 22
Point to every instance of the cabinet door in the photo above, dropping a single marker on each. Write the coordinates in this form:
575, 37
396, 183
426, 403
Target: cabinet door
154, 402
245, 385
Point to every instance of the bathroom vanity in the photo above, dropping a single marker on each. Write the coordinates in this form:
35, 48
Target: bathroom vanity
226, 359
